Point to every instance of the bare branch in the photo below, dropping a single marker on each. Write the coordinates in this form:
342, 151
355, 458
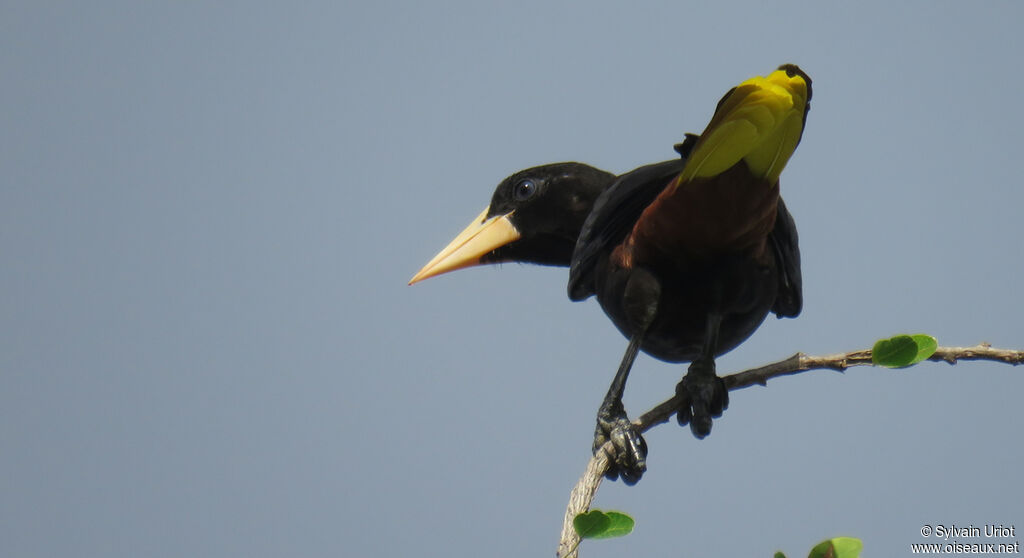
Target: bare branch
585, 490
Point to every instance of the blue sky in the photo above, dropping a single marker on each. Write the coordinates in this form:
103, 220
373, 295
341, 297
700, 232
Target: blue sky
208, 215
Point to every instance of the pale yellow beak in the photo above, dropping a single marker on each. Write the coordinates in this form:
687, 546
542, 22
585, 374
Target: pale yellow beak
480, 237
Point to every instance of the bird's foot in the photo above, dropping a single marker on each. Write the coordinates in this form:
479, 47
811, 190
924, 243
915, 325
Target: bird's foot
703, 396
629, 457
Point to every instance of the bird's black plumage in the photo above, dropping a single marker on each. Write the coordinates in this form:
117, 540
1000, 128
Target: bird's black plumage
615, 213
687, 256
548, 205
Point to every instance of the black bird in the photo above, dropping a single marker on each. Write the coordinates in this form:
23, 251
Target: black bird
686, 257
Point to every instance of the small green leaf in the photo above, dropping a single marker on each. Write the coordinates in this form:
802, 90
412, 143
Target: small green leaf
926, 346
596, 524
620, 526
894, 352
821, 550
779, 555
588, 524
839, 547
903, 350
847, 547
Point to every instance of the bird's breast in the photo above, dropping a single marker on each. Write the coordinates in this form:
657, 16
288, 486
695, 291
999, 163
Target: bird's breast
744, 291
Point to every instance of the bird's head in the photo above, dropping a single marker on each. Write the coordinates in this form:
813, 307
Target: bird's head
535, 216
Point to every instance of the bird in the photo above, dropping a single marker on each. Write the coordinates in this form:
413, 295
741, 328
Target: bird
686, 257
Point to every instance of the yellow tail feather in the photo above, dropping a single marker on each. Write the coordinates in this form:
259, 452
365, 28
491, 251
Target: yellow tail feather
760, 121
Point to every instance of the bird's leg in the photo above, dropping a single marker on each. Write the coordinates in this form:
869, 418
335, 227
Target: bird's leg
701, 392
630, 457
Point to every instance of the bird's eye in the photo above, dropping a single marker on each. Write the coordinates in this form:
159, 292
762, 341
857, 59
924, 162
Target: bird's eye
524, 190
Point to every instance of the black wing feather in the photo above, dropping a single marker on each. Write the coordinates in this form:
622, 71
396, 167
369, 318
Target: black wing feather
615, 212
790, 299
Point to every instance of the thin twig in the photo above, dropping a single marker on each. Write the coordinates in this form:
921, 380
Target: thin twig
585, 490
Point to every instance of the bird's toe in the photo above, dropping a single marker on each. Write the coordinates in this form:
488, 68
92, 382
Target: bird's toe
628, 458
702, 398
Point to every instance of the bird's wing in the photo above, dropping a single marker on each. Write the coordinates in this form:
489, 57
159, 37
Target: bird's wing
613, 216
790, 299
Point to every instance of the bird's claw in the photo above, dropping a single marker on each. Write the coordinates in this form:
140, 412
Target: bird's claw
702, 397
628, 459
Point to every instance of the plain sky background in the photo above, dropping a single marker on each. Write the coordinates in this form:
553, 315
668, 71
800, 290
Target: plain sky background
209, 212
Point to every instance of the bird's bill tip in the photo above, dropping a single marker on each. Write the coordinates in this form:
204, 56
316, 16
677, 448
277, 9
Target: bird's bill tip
484, 234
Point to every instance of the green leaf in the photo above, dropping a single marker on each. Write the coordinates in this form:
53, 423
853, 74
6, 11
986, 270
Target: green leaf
926, 346
596, 524
839, 547
588, 524
779, 555
903, 350
894, 352
621, 525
